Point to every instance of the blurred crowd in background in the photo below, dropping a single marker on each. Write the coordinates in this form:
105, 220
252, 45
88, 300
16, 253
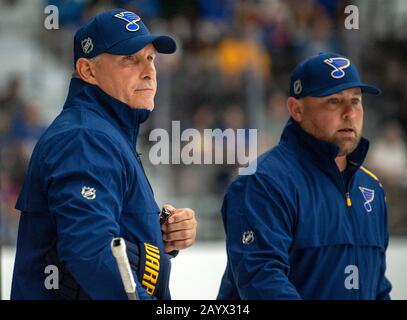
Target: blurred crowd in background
231, 70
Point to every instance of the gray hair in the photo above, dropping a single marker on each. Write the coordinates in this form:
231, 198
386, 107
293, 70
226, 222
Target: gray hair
75, 73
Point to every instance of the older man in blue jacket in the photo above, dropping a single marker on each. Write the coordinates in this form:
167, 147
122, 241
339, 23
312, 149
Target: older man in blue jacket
311, 223
85, 183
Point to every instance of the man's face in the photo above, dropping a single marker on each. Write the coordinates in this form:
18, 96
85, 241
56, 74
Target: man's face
130, 79
337, 118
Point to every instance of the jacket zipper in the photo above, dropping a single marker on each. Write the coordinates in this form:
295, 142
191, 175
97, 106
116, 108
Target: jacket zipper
349, 209
139, 160
142, 167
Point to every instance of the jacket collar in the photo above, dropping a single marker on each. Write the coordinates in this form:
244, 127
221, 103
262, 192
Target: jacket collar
321, 152
120, 114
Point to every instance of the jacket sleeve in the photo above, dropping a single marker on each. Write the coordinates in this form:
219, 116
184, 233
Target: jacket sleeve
85, 181
260, 264
384, 285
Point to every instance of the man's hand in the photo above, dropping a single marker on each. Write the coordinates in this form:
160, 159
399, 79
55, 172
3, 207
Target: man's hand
179, 231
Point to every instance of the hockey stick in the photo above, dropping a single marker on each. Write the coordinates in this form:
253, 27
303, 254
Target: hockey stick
119, 252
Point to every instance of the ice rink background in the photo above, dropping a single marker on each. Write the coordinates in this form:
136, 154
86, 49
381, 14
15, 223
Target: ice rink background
197, 271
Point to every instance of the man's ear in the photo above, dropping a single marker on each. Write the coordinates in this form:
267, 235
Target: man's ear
85, 68
295, 108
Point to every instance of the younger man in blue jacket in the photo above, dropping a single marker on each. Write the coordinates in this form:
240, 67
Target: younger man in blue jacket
85, 184
311, 223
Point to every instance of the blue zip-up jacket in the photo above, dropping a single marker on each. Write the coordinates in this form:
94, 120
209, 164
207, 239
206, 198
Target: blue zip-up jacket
295, 230
85, 185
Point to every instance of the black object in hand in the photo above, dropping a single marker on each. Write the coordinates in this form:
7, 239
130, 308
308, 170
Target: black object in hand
164, 215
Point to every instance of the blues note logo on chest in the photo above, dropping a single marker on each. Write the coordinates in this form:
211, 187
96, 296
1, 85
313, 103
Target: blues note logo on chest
368, 196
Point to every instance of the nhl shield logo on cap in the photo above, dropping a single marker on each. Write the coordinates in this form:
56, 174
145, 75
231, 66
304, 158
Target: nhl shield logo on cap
87, 45
297, 87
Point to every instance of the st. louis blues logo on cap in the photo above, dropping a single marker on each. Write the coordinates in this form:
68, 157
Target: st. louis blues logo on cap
338, 64
368, 195
131, 18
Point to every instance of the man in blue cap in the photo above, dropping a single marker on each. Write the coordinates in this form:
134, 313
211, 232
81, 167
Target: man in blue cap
311, 223
85, 184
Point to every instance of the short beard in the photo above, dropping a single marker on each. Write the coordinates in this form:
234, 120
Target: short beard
346, 146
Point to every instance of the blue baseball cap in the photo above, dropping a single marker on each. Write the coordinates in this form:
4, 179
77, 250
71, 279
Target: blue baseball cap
118, 32
326, 74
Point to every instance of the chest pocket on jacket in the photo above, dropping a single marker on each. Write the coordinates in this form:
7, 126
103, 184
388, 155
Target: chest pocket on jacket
369, 219
322, 221
337, 225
